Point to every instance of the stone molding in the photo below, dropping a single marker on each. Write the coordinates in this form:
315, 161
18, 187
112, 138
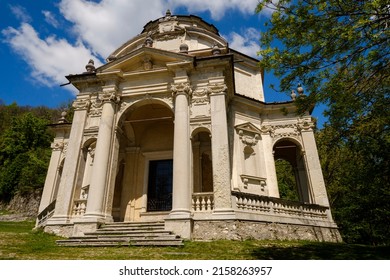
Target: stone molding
81, 104
216, 88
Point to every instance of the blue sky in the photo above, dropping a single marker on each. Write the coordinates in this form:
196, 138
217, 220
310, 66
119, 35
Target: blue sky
43, 41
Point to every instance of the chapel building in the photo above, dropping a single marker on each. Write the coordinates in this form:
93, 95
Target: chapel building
174, 128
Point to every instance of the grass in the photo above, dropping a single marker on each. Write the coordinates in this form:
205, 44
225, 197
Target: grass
19, 242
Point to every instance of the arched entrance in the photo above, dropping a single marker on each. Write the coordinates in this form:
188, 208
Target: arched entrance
144, 178
291, 171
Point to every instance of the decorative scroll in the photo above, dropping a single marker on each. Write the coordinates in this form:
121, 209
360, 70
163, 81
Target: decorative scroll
216, 88
181, 88
81, 104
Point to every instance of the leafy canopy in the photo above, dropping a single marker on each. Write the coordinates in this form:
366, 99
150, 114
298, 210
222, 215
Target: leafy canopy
339, 50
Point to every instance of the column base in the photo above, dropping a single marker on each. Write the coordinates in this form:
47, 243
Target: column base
180, 214
181, 227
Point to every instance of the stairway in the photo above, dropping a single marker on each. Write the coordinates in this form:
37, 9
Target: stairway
125, 234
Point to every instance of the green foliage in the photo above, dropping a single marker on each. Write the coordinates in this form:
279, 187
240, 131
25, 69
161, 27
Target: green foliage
286, 180
357, 177
339, 50
24, 148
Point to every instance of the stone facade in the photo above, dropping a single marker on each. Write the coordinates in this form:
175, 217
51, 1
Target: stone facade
175, 127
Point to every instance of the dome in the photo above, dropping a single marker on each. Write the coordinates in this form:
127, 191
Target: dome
175, 33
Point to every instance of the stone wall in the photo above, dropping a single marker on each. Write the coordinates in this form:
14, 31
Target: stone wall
21, 207
241, 230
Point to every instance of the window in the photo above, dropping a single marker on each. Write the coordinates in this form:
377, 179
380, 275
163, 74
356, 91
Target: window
160, 185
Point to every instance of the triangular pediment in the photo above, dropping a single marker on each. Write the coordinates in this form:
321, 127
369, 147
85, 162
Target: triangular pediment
248, 127
142, 60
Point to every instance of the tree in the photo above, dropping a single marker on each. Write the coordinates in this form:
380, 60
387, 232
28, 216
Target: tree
24, 155
339, 51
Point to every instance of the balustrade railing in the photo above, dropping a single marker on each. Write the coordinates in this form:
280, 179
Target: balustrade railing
46, 214
203, 202
79, 207
277, 206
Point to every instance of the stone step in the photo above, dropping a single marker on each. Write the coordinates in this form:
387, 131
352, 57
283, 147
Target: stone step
129, 232
138, 236
125, 234
76, 242
157, 243
108, 242
133, 224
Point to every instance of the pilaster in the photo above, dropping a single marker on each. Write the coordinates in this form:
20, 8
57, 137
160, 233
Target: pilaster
313, 166
220, 149
52, 176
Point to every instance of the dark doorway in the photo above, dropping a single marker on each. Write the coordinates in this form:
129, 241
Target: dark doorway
160, 185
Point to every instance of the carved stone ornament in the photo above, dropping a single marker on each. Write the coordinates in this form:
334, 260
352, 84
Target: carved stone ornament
181, 88
57, 146
266, 129
216, 88
109, 96
249, 140
248, 134
148, 65
305, 125
281, 130
96, 108
200, 96
81, 104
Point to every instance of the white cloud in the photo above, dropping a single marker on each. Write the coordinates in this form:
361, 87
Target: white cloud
20, 13
50, 59
100, 27
246, 43
106, 25
50, 18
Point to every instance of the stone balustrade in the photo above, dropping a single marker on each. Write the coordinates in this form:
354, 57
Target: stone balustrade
203, 202
280, 207
79, 207
46, 214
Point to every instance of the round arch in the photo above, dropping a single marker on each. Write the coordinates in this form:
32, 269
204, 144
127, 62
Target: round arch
291, 170
145, 149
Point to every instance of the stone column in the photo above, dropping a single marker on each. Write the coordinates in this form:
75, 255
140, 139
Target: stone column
70, 171
100, 169
181, 151
272, 181
220, 149
313, 166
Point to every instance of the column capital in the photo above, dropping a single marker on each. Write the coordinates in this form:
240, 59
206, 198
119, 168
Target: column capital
181, 88
109, 96
81, 104
216, 88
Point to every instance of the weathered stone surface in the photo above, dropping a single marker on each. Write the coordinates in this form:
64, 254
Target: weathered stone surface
241, 230
21, 208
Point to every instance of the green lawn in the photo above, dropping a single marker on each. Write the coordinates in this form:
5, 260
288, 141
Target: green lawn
19, 242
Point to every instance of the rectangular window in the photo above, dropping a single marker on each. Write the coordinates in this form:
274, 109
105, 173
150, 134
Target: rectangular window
160, 185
